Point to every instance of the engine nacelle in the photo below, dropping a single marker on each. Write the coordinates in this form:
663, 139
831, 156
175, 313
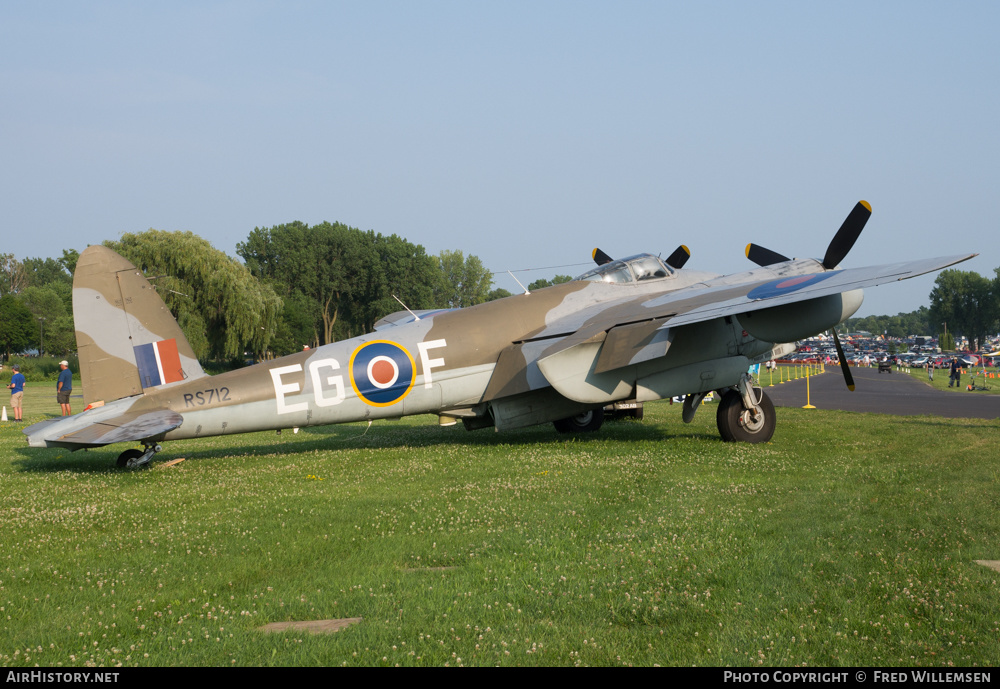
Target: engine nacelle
791, 322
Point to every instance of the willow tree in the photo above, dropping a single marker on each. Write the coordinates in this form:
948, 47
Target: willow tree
219, 305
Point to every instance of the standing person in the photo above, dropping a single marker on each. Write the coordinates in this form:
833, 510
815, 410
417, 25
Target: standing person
930, 369
16, 391
956, 373
64, 386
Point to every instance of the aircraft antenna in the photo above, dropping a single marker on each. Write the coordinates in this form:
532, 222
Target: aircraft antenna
518, 282
415, 316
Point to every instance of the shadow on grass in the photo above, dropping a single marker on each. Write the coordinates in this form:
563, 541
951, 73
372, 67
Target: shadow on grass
385, 435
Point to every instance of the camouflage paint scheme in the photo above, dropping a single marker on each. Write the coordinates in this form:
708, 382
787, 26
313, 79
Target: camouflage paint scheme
523, 360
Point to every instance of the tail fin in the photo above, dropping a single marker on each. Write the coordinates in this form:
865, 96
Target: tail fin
127, 340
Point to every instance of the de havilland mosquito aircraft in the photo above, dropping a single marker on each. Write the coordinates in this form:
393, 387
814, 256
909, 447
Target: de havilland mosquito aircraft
638, 328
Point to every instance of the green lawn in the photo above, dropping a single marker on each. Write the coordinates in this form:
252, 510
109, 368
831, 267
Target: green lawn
850, 539
941, 377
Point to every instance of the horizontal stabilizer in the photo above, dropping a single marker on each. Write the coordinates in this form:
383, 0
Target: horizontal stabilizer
129, 427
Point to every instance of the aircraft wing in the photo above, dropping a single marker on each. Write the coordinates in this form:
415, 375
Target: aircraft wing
126, 427
781, 291
635, 322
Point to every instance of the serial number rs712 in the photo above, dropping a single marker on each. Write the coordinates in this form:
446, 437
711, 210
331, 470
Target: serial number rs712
203, 397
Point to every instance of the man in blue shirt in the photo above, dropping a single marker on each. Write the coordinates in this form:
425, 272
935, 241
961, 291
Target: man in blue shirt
16, 391
64, 386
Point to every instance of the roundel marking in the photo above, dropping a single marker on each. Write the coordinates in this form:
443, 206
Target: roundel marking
382, 372
778, 288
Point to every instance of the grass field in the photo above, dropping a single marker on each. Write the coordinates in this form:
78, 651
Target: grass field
850, 539
941, 376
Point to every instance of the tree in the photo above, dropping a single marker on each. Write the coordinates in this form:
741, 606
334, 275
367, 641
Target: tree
498, 293
219, 305
69, 259
51, 317
18, 328
465, 281
967, 302
901, 325
339, 278
315, 262
543, 283
41, 272
13, 277
390, 268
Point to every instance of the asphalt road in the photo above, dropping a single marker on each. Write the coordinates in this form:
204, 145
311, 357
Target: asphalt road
883, 393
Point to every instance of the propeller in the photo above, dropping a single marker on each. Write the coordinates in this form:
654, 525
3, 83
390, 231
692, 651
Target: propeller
676, 260
764, 257
600, 258
679, 257
847, 235
848, 376
835, 252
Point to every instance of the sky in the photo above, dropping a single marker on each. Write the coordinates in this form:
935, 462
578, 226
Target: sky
525, 133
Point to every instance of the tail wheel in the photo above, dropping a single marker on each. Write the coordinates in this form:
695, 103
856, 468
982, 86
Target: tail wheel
586, 422
739, 424
128, 456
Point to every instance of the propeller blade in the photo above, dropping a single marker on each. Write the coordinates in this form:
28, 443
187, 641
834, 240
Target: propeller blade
679, 257
600, 258
848, 376
764, 257
847, 235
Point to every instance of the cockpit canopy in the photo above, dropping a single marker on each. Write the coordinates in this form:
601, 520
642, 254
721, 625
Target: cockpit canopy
632, 269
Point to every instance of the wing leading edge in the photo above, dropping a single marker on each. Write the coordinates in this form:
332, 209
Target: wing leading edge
645, 315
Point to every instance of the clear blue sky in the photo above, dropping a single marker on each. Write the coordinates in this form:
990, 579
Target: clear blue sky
525, 133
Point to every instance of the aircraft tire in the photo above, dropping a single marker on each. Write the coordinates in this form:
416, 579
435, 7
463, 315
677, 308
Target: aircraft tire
586, 422
128, 455
736, 423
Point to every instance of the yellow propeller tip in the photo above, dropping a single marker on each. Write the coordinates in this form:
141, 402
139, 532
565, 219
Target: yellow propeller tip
866, 205
851, 388
747, 250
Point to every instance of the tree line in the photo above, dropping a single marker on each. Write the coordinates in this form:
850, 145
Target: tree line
962, 303
298, 285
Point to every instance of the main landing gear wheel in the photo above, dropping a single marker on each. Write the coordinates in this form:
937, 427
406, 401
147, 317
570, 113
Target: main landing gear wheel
739, 424
581, 423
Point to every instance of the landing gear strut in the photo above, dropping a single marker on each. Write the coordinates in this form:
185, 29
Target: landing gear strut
745, 414
133, 459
